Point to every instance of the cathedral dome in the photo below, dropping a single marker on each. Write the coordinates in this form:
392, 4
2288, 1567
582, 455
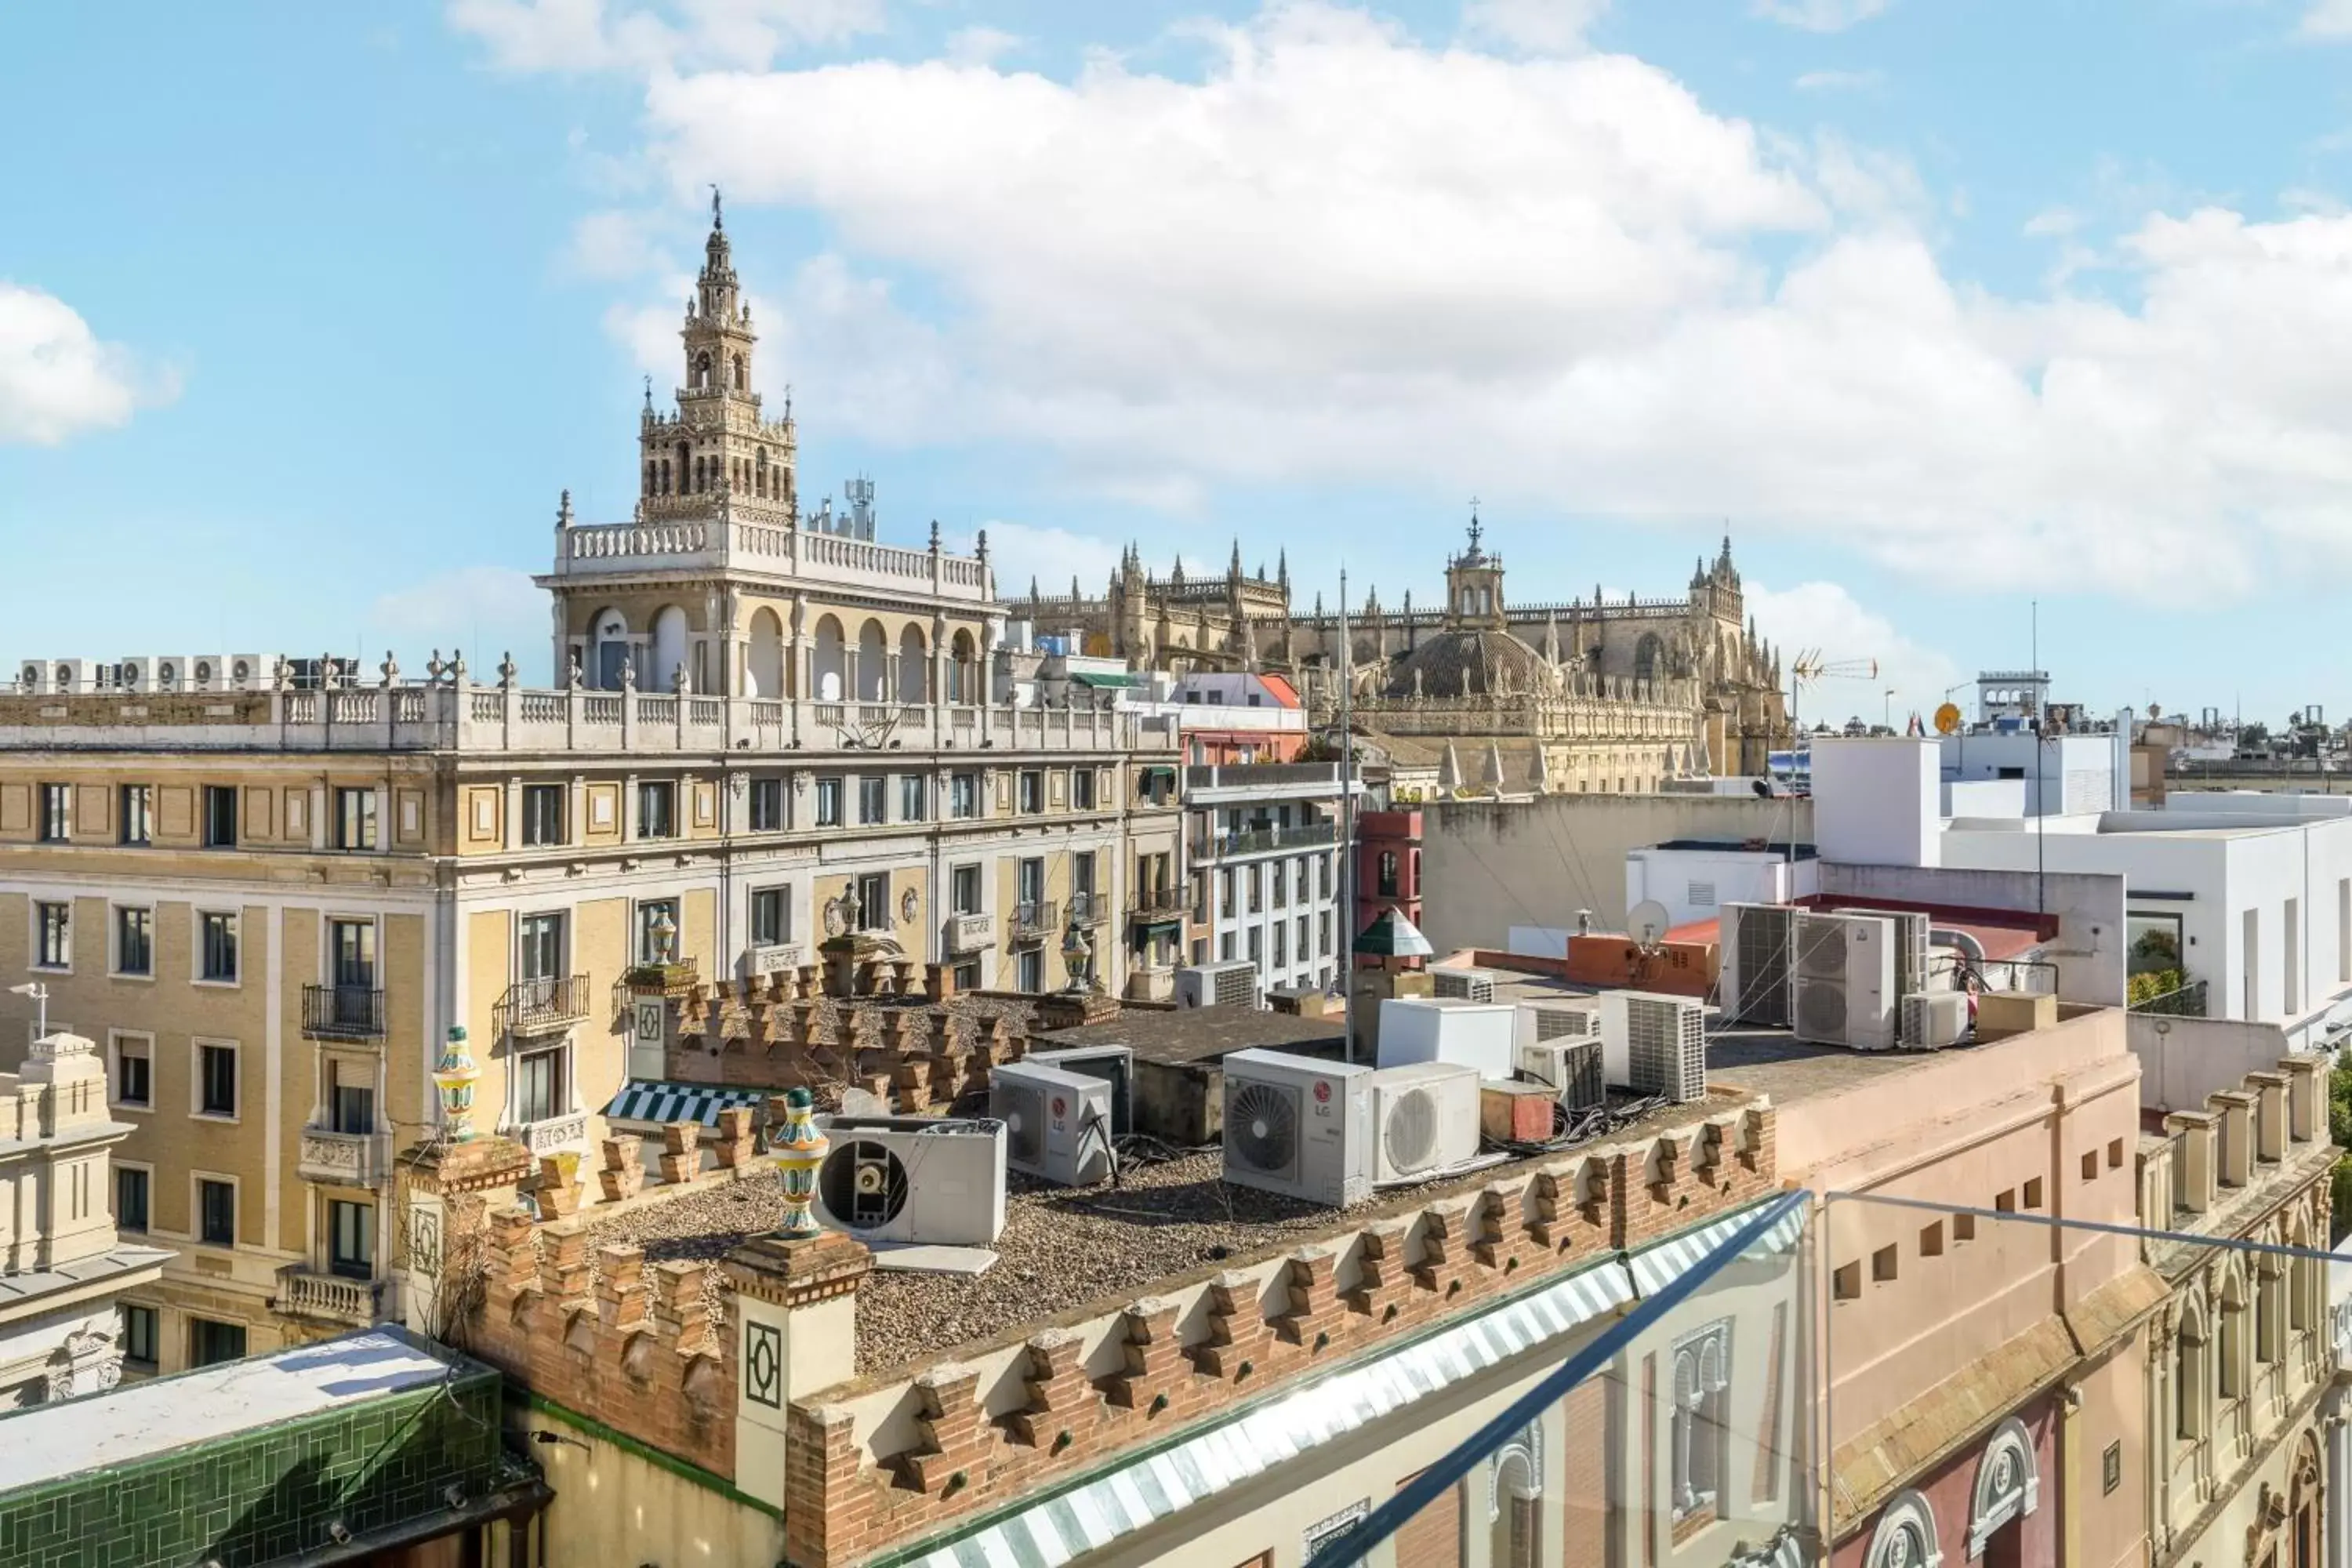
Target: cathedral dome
1470, 662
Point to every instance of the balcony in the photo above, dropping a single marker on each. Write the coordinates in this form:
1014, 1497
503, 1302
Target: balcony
1156, 906
343, 1158
1035, 920
1089, 908
2186, 1000
971, 933
1237, 781
342, 1012
544, 1006
553, 1134
772, 958
323, 1298
1265, 841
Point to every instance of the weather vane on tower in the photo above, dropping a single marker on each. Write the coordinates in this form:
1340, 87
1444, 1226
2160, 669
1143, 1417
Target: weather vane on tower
716, 220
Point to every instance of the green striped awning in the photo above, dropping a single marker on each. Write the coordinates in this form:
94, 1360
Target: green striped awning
656, 1103
1108, 680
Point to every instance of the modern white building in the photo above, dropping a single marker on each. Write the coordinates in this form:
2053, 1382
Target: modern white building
62, 1264
1263, 843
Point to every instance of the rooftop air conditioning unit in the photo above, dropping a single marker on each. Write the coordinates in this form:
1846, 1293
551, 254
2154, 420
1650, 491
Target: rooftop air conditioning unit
1572, 1066
1478, 1035
1463, 984
1758, 956
248, 672
208, 672
1666, 1045
1057, 1123
33, 677
1115, 1065
1232, 983
1845, 981
168, 673
135, 675
1934, 1019
1540, 1021
1297, 1126
914, 1179
1427, 1115
68, 674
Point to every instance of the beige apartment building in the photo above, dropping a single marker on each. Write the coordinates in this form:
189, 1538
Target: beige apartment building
270, 889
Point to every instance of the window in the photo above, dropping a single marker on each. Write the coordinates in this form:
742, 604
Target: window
1033, 789
350, 955
657, 809
1883, 1265
2230, 1380
216, 1212
350, 1239
873, 902
2266, 1307
828, 803
772, 916
1031, 965
1225, 892
355, 818
209, 1341
53, 942
2033, 1192
2187, 1379
873, 801
350, 1096
135, 942
1257, 888
217, 942
220, 816
1323, 933
767, 806
56, 813
1323, 878
1082, 789
1029, 881
138, 814
542, 1089
967, 975
539, 954
1699, 1428
139, 1336
217, 1081
657, 931
134, 1070
1225, 947
542, 814
1257, 943
1281, 946
913, 804
965, 889
1386, 882
1082, 882
963, 794
1298, 942
130, 1198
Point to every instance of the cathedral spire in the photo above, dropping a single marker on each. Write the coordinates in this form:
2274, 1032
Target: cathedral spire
1234, 568
1282, 568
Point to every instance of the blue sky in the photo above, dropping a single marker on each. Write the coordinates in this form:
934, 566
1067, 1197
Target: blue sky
1939, 308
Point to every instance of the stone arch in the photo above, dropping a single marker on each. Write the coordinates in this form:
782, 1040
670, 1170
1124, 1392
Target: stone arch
2188, 1372
914, 666
765, 670
702, 371
2008, 1484
759, 475
668, 649
1514, 1497
873, 666
830, 674
963, 667
608, 649
1649, 656
1905, 1536
742, 377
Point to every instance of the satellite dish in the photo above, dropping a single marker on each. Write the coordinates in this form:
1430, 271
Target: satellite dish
1647, 923
1948, 719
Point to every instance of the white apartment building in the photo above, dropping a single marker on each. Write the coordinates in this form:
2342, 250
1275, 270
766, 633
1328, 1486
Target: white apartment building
1262, 841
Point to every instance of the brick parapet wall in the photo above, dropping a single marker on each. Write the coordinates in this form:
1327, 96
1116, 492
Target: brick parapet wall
884, 1461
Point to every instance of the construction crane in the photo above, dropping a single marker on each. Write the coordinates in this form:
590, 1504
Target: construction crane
1811, 668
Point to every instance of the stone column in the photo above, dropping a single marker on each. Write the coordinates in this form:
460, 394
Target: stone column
795, 1308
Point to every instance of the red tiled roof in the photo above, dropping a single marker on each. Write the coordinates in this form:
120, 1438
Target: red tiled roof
1284, 692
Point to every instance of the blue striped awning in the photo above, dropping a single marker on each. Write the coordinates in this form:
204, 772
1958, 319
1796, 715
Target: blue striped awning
656, 1103
1109, 1505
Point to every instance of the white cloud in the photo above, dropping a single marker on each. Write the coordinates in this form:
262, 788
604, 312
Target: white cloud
57, 380
1819, 15
2328, 19
615, 245
1538, 26
1842, 82
488, 611
1824, 616
581, 36
982, 46
1020, 552
1317, 261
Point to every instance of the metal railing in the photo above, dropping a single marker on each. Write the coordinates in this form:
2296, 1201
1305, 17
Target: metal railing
1089, 908
542, 1006
1321, 778
342, 1012
1038, 918
1156, 903
1264, 840
2185, 1001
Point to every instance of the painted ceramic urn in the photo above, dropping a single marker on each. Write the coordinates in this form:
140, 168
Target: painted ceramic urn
454, 1076
799, 1150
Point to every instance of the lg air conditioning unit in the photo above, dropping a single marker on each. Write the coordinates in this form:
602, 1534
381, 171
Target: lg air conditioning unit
33, 677
1759, 948
1570, 1067
1463, 984
168, 673
1115, 1065
1232, 983
135, 675
1427, 1118
208, 672
68, 674
1057, 1123
914, 1179
1934, 1019
1666, 1045
1845, 981
1297, 1126
249, 672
